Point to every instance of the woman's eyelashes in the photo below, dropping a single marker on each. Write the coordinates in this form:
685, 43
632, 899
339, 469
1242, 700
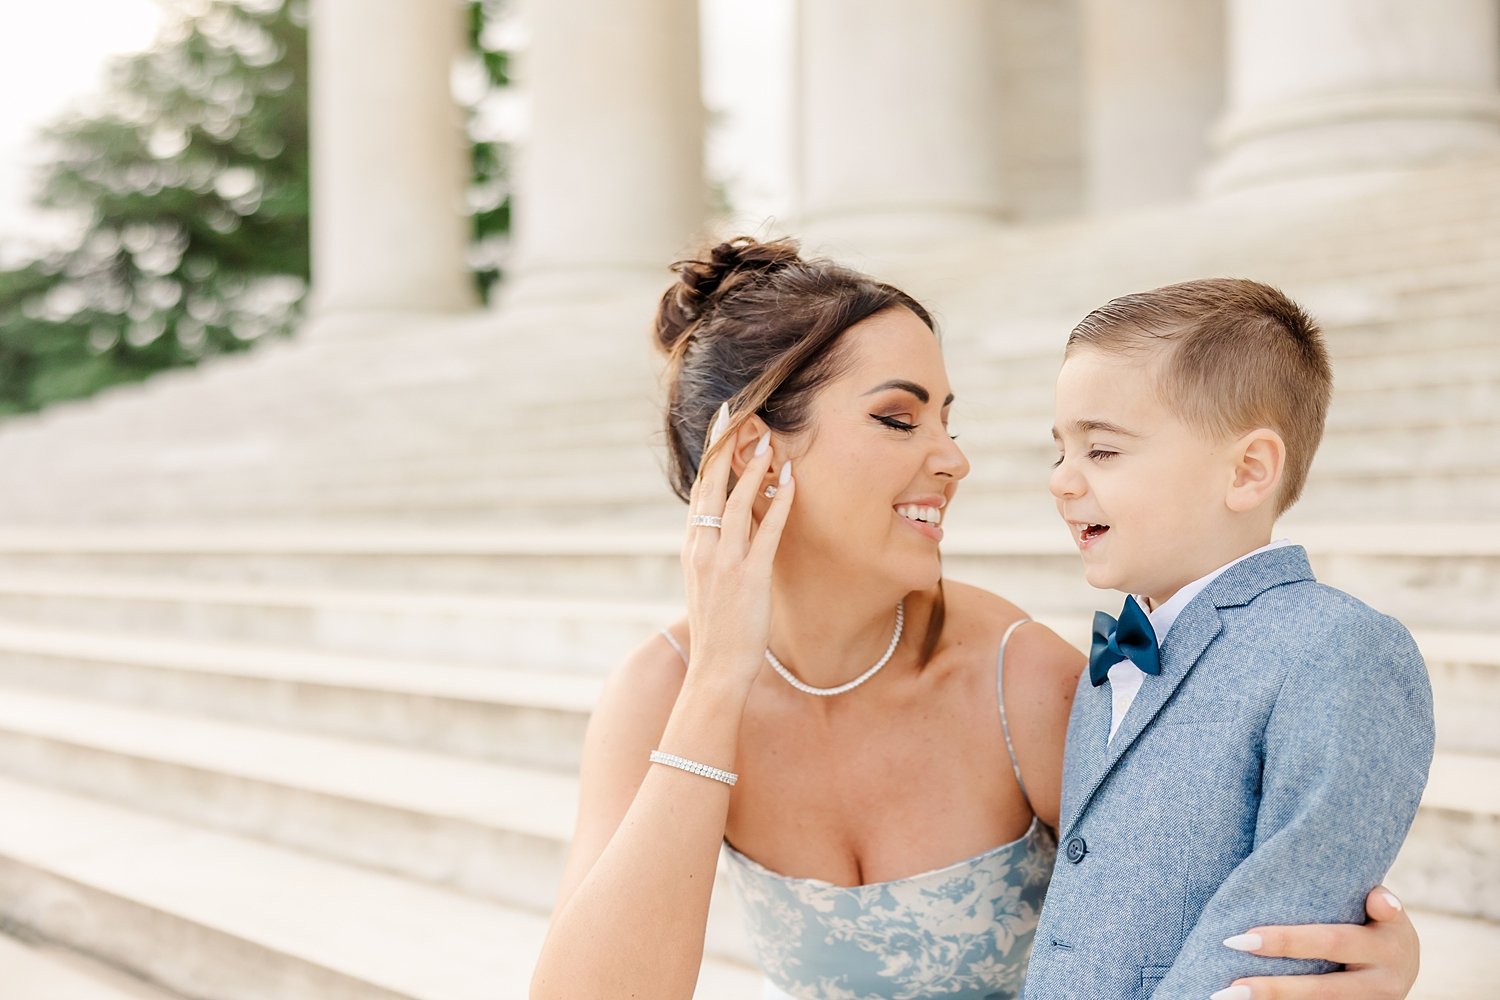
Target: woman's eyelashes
902, 425
895, 422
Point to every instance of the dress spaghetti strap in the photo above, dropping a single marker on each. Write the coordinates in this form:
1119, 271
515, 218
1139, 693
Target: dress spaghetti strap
1000, 692
675, 645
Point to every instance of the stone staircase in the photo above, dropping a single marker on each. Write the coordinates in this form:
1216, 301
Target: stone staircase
296, 651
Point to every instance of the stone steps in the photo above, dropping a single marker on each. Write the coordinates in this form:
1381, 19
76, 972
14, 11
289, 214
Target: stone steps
1374, 497
1432, 428
1451, 859
209, 914
463, 628
531, 718
490, 830
499, 831
1006, 490
1015, 387
40, 971
1425, 574
498, 711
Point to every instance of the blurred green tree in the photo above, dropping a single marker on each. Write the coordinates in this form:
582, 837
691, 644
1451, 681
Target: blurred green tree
192, 178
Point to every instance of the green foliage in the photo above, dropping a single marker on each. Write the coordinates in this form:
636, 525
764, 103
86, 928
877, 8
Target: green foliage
192, 176
489, 193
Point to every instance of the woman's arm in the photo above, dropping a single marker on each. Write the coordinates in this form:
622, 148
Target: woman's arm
633, 903
633, 906
1381, 957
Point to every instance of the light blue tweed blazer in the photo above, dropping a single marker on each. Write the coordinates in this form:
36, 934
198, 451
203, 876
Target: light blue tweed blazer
1268, 775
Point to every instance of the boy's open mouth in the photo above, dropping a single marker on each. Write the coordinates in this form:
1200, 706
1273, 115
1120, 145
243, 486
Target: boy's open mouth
1093, 531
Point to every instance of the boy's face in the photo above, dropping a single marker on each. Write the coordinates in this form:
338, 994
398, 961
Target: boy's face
1142, 492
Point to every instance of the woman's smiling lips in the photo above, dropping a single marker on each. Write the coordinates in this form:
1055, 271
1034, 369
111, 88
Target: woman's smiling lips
924, 515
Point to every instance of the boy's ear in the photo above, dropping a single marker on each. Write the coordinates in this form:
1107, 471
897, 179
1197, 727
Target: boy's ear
746, 437
1259, 460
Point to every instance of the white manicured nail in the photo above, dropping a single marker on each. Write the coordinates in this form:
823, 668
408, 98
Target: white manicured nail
721, 424
1391, 898
1232, 993
1243, 942
764, 446
786, 472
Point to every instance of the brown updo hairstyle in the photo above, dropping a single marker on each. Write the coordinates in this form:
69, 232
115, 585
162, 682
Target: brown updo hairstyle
758, 325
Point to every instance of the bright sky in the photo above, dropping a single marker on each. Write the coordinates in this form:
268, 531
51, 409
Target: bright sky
52, 55
53, 52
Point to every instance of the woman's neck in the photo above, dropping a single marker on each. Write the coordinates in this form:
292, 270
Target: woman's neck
827, 634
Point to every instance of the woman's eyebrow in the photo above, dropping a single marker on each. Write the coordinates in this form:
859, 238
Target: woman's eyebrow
916, 390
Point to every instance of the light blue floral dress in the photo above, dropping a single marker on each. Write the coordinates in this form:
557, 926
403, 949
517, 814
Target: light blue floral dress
961, 932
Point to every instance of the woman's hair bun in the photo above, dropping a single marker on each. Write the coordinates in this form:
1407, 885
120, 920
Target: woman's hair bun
716, 272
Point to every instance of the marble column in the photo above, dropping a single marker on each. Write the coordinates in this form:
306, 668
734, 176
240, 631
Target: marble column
1326, 86
1154, 88
389, 158
610, 184
896, 125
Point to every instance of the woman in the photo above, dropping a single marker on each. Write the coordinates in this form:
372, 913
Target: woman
879, 749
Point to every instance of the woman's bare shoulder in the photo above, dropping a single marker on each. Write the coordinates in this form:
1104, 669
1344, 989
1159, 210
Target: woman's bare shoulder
981, 618
647, 681
1041, 678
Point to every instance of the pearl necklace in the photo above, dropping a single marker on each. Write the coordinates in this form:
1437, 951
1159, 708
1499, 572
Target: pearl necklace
850, 686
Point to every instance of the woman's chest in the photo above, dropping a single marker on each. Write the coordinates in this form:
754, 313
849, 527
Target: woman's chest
854, 800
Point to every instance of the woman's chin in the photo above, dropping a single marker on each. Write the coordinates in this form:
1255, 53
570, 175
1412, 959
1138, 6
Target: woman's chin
924, 577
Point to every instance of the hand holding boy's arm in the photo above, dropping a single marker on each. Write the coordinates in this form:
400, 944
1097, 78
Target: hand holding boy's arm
1347, 750
1380, 957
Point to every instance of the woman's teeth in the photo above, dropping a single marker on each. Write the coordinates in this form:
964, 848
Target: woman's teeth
928, 515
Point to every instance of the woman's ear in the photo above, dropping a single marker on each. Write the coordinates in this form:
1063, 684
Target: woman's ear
1259, 461
746, 438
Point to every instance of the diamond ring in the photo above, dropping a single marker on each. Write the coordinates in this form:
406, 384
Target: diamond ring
706, 521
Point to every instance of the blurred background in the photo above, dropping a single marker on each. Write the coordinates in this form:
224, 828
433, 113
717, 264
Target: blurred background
330, 432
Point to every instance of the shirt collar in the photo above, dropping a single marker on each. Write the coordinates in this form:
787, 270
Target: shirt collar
1162, 618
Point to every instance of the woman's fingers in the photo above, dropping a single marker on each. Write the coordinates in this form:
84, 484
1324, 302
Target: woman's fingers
1333, 986
735, 537
707, 495
1382, 906
1333, 942
768, 535
1382, 956
1387, 936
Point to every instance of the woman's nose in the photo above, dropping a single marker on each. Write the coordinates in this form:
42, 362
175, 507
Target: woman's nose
950, 460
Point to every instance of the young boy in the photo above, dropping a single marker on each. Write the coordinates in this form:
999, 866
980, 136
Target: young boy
1248, 746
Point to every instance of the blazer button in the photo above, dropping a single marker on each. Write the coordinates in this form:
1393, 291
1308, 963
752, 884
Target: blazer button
1076, 849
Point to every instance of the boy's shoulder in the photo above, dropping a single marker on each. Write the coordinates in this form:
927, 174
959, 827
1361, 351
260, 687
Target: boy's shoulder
1306, 615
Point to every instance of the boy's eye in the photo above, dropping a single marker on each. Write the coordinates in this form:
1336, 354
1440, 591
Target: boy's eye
1058, 462
1100, 456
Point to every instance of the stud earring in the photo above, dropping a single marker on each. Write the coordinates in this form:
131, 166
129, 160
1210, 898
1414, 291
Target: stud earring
770, 491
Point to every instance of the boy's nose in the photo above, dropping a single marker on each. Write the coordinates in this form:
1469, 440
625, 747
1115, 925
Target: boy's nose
1065, 482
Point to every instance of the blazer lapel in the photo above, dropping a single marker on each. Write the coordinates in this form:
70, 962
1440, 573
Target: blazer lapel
1195, 628
1085, 748
1190, 635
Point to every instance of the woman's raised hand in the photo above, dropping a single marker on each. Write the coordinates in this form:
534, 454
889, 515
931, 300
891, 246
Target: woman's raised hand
727, 568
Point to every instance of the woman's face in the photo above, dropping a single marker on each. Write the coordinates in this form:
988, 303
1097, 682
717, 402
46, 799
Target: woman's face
877, 469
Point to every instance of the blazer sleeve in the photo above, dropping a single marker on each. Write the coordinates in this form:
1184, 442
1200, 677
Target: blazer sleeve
1347, 749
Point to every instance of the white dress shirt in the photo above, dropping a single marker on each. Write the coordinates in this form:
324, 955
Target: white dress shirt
1125, 677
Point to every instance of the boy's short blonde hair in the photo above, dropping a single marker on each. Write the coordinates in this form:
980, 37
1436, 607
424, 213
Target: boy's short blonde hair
1239, 355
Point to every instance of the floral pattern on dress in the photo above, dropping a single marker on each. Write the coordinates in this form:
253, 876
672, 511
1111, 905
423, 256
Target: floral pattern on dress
962, 932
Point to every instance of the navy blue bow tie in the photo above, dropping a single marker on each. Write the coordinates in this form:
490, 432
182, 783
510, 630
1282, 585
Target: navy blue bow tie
1131, 638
